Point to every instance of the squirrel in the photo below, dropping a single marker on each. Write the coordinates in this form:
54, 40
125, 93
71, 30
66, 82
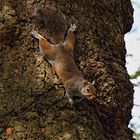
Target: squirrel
61, 57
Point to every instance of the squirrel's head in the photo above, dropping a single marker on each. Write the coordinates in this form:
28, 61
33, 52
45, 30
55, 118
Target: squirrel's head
88, 90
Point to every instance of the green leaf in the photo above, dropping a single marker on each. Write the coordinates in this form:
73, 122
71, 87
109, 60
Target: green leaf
136, 75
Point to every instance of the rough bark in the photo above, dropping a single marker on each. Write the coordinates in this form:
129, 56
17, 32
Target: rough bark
31, 102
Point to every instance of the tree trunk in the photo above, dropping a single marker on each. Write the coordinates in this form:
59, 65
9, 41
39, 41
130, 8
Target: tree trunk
33, 106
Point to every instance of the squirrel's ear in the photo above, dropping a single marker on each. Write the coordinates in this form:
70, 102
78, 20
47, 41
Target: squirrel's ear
93, 82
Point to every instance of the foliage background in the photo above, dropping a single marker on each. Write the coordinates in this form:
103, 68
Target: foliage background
133, 65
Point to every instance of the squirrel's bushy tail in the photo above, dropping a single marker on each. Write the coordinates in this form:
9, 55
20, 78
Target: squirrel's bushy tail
53, 20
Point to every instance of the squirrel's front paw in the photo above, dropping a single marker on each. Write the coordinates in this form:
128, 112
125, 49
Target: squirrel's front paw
73, 27
71, 102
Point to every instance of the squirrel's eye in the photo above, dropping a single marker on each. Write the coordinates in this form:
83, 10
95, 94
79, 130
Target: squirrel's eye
88, 90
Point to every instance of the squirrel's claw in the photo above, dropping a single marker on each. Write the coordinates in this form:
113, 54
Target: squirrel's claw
71, 102
36, 34
72, 27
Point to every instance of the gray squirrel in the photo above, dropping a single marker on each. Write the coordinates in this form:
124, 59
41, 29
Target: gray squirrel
61, 57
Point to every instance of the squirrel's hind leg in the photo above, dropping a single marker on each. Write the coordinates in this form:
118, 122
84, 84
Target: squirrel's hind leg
72, 28
36, 35
70, 38
45, 47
